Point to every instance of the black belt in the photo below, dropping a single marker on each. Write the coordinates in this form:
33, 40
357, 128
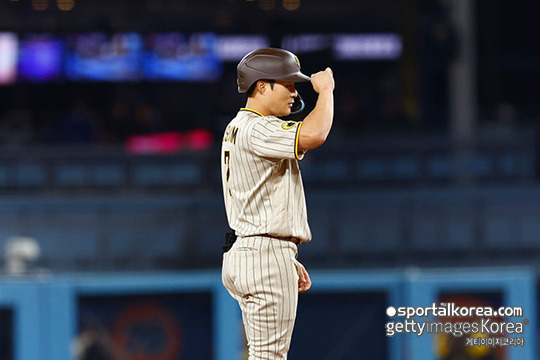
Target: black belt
292, 239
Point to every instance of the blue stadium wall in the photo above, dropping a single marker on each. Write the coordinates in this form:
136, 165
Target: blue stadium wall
189, 315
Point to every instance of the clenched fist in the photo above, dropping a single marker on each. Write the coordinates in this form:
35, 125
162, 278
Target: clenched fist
323, 80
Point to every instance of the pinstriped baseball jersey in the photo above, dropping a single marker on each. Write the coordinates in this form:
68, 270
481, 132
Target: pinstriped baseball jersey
262, 184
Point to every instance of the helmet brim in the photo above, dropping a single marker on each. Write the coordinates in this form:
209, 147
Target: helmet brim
296, 77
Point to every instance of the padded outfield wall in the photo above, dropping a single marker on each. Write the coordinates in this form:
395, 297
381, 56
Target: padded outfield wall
189, 315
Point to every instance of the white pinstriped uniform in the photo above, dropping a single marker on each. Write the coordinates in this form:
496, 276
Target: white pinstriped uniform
264, 200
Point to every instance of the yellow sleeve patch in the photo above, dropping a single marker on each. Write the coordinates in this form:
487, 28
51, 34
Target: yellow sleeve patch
288, 125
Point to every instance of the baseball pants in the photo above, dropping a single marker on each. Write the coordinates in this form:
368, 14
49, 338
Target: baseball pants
260, 273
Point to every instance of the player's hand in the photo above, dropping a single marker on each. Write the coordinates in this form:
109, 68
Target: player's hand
304, 282
323, 80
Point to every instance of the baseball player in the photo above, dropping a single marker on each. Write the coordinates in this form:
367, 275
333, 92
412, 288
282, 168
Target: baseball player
264, 195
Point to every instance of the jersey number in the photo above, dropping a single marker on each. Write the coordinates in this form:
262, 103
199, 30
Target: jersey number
227, 158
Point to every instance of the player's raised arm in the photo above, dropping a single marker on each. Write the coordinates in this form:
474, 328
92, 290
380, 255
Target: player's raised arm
316, 126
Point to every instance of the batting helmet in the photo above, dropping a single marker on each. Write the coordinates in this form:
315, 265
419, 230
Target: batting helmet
268, 64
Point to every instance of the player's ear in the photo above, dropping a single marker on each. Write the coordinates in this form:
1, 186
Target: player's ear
261, 86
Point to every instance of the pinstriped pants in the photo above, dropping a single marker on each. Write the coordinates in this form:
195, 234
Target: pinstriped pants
260, 273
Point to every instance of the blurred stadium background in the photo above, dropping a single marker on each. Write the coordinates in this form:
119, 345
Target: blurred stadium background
111, 217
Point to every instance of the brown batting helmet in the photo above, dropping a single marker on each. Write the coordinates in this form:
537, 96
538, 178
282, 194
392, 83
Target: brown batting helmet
268, 64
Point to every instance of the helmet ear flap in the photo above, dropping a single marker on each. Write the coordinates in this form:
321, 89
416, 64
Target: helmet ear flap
298, 105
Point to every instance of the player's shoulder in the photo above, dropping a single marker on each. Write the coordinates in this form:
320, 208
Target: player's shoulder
271, 119
260, 119
250, 120
245, 117
273, 124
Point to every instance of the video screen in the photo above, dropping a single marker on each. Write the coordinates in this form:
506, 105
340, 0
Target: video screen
40, 58
235, 47
348, 47
8, 58
367, 46
305, 43
175, 56
102, 57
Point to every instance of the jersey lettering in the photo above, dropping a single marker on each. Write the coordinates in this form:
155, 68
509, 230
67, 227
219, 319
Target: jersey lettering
230, 134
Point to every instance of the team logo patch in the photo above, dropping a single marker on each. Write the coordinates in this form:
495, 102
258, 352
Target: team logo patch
297, 62
288, 125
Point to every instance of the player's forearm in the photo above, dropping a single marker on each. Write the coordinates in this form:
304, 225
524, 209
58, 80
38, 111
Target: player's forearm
316, 126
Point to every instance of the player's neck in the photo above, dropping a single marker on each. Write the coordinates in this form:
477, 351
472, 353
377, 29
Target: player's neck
255, 104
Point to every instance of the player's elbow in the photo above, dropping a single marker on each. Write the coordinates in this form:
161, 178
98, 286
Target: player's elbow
320, 138
311, 140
